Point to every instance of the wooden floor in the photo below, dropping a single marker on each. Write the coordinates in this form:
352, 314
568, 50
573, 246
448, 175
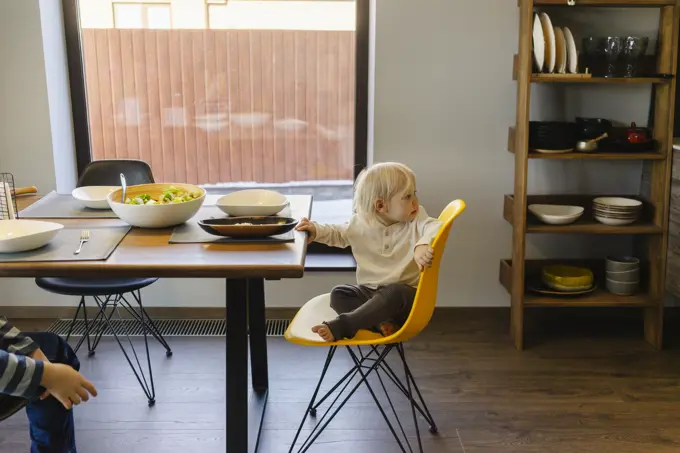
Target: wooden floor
587, 383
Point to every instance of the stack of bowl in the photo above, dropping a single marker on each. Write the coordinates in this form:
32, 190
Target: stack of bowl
616, 211
623, 275
552, 136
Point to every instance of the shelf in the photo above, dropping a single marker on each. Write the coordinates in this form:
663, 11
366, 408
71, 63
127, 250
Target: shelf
577, 78
599, 298
622, 3
647, 155
586, 224
538, 78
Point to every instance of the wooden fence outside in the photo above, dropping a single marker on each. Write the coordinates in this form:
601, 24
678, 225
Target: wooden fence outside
223, 106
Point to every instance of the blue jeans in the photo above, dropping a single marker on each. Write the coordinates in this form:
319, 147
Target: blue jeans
52, 426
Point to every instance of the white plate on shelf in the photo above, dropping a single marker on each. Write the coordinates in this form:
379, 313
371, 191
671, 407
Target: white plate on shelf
554, 151
539, 43
549, 36
560, 51
556, 214
572, 55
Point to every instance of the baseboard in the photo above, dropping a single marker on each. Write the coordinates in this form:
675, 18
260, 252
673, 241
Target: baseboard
64, 312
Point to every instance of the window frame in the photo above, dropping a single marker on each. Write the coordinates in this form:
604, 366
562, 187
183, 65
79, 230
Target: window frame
78, 94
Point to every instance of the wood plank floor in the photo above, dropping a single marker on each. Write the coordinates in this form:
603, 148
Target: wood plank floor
587, 383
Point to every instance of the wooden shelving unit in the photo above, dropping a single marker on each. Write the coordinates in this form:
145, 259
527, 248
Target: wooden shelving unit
651, 230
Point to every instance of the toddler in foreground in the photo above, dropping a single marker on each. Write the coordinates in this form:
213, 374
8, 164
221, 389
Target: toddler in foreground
390, 235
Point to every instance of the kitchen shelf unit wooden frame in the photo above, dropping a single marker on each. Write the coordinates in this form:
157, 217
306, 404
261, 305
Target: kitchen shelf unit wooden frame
653, 225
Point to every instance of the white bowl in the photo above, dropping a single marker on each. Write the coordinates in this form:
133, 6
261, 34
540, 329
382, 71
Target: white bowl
93, 197
155, 215
556, 214
252, 202
614, 222
23, 235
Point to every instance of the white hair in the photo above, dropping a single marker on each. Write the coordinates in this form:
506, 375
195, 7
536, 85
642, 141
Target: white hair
381, 182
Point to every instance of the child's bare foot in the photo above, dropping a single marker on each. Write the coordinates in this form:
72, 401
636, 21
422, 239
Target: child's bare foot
387, 328
324, 332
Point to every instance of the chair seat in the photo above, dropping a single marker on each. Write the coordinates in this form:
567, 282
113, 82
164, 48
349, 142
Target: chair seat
93, 286
315, 312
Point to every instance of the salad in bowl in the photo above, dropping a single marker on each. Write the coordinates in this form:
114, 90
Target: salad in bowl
157, 205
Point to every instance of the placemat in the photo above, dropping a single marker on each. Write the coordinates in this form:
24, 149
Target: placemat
103, 241
191, 233
59, 206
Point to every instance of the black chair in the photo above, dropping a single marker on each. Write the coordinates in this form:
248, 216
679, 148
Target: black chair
109, 293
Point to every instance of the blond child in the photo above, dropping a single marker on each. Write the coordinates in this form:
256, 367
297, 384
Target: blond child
390, 235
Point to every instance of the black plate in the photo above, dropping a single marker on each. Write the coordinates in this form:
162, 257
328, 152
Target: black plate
248, 227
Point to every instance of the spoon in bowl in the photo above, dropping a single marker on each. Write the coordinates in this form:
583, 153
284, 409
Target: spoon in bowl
123, 183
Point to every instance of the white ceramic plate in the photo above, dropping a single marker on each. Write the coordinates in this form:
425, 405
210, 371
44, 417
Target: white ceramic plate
572, 55
556, 214
539, 43
549, 35
560, 51
614, 222
23, 235
618, 202
554, 151
93, 197
252, 203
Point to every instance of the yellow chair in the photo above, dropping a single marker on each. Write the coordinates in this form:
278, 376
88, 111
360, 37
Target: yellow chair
318, 310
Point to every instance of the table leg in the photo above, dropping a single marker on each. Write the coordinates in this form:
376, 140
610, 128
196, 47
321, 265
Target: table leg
237, 366
258, 359
245, 407
258, 334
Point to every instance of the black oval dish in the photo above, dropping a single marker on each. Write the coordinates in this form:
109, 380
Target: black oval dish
248, 227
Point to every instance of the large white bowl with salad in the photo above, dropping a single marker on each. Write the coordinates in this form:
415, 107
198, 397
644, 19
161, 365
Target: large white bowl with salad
157, 205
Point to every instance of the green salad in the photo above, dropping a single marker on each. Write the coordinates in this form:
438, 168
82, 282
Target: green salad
169, 196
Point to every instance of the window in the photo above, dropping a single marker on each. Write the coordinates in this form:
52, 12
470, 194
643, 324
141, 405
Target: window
244, 93
142, 15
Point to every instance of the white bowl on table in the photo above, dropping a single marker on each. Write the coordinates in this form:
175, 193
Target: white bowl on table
556, 214
22, 235
93, 197
252, 203
155, 215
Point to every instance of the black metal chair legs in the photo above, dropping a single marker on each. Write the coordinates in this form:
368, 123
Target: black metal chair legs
106, 320
368, 365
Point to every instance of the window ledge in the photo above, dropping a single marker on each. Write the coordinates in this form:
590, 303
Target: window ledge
325, 262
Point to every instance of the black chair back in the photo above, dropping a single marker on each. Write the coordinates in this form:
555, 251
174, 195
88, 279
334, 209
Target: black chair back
107, 173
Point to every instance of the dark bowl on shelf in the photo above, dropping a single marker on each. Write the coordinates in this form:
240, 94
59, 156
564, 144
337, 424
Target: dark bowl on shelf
589, 128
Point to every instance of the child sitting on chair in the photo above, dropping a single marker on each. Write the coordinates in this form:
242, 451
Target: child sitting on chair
390, 235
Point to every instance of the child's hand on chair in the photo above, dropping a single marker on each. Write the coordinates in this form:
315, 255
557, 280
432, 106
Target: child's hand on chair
307, 226
423, 255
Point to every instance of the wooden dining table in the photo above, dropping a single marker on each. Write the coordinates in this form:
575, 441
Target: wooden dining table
245, 267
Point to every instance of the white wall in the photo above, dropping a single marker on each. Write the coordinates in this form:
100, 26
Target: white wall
444, 99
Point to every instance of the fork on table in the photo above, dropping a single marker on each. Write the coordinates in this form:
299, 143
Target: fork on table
84, 237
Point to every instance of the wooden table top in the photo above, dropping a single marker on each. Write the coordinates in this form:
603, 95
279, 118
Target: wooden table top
147, 253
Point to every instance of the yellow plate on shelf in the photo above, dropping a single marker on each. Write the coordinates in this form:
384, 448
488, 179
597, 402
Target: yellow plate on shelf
567, 278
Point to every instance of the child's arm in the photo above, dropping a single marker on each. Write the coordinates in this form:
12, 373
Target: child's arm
426, 230
332, 235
